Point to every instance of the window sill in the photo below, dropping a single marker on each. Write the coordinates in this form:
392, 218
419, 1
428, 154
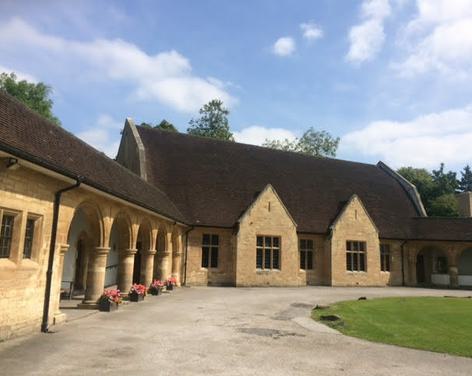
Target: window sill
267, 270
29, 264
356, 272
385, 271
6, 263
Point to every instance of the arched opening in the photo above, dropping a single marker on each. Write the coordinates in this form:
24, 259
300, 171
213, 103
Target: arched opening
83, 237
465, 268
143, 244
432, 267
120, 235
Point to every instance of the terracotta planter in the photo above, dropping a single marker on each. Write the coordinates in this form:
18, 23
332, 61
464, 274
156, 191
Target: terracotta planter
107, 306
134, 297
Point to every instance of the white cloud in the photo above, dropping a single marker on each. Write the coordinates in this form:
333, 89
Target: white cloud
438, 39
166, 76
367, 39
424, 141
256, 134
284, 46
104, 136
19, 74
311, 31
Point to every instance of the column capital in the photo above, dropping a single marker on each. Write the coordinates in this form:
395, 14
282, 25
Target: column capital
102, 250
177, 254
165, 253
151, 252
128, 251
63, 248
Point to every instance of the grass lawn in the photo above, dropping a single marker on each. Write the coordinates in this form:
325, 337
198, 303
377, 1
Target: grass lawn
428, 323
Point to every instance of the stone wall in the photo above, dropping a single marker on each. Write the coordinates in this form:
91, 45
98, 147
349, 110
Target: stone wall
224, 274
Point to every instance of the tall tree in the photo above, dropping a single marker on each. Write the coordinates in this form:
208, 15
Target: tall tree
166, 126
465, 184
212, 123
312, 142
35, 96
444, 182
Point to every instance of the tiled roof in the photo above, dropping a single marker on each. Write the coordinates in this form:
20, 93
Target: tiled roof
212, 182
441, 228
30, 136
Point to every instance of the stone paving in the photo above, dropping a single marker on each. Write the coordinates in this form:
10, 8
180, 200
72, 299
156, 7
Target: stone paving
223, 331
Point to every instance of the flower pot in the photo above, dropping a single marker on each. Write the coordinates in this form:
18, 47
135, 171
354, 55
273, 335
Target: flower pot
155, 291
107, 306
170, 287
133, 297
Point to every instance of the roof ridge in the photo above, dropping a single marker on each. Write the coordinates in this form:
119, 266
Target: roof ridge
260, 147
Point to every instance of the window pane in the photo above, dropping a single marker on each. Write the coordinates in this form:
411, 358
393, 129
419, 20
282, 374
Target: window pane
387, 263
6, 232
29, 235
266, 258
214, 239
302, 259
355, 246
214, 257
206, 239
349, 246
205, 255
275, 259
302, 244
309, 260
309, 244
362, 262
355, 261
260, 241
275, 242
268, 241
362, 246
349, 261
259, 258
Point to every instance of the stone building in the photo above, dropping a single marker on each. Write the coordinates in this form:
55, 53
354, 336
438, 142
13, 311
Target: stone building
207, 212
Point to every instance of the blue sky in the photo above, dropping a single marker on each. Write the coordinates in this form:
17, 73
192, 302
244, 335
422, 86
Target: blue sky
392, 78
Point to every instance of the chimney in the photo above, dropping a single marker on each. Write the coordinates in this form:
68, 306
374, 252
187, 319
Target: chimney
464, 201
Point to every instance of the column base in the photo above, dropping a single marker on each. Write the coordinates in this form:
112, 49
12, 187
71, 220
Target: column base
59, 317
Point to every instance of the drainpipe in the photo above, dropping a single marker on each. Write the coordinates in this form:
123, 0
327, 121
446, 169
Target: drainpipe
52, 247
403, 263
186, 254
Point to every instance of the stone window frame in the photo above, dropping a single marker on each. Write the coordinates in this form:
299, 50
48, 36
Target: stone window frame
306, 251
14, 251
213, 248
354, 254
385, 258
270, 248
36, 239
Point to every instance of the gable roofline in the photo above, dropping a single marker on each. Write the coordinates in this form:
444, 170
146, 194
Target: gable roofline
409, 188
253, 203
344, 208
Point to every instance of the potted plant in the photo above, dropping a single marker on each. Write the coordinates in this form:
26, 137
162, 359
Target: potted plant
170, 283
137, 292
109, 300
156, 287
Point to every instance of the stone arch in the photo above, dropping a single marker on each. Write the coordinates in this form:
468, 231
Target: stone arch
120, 242
465, 268
432, 266
85, 233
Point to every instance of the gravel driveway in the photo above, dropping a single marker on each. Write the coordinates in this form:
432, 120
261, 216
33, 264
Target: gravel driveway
223, 331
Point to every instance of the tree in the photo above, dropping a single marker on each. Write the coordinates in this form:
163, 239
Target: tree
212, 123
35, 96
316, 143
465, 184
166, 126
437, 189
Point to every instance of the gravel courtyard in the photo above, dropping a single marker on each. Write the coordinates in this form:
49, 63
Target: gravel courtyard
222, 331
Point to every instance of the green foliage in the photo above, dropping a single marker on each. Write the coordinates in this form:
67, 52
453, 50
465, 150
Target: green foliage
465, 184
437, 189
316, 143
164, 125
212, 123
427, 323
35, 96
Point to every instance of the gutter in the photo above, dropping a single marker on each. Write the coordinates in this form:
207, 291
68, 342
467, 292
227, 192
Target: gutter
186, 254
52, 248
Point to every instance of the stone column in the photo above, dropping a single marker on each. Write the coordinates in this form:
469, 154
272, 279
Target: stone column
177, 259
58, 315
125, 269
96, 276
453, 276
147, 270
412, 269
165, 265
